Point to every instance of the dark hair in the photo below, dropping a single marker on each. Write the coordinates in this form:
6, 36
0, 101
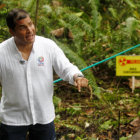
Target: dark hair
14, 15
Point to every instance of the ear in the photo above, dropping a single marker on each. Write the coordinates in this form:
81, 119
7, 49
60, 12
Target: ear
12, 32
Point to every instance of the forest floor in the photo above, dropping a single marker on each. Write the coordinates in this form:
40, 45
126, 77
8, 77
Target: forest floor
83, 116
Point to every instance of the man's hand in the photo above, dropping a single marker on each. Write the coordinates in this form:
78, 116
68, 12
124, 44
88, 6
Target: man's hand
80, 82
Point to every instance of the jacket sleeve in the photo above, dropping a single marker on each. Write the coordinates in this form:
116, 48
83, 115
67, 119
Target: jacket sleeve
62, 65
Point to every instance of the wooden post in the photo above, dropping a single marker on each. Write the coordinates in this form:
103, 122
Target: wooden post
133, 81
36, 13
133, 84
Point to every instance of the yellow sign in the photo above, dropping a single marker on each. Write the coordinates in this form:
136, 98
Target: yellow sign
128, 65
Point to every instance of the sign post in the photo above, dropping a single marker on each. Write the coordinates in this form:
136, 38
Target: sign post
128, 66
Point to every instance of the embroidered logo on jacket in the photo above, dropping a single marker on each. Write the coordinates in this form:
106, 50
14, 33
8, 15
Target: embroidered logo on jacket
40, 61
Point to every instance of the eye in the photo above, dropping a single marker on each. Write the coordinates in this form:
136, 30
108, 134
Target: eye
22, 27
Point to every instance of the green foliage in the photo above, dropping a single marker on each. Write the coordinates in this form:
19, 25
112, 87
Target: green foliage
74, 110
132, 24
74, 20
139, 113
81, 64
30, 5
100, 29
126, 138
113, 12
95, 15
92, 35
106, 125
130, 3
72, 127
56, 101
4, 34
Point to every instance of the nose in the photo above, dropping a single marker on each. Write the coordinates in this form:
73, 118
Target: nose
29, 29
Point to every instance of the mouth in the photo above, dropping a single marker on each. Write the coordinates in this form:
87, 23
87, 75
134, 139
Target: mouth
30, 37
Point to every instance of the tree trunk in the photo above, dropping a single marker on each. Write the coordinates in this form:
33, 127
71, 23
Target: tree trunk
36, 13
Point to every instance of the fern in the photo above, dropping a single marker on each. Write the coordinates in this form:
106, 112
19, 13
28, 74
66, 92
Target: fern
95, 15
72, 126
131, 25
80, 29
30, 6
130, 3
73, 19
113, 12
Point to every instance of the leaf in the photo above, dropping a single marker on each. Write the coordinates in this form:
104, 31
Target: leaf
47, 8
113, 12
58, 32
136, 14
96, 16
131, 24
70, 35
30, 5
107, 125
2, 5
73, 19
135, 122
125, 138
56, 3
56, 101
139, 113
93, 139
130, 3
131, 114
79, 14
89, 112
74, 111
73, 127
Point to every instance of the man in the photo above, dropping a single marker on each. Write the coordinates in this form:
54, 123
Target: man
26, 75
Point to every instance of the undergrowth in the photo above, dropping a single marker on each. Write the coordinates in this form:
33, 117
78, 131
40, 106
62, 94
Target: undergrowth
81, 116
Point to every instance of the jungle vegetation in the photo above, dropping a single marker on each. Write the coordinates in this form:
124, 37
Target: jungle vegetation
89, 31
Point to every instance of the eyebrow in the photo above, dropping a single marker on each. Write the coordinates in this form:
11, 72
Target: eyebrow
25, 25
21, 25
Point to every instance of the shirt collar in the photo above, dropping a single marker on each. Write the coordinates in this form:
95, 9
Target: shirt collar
15, 46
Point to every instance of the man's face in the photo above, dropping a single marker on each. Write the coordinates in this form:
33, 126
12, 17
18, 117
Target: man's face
24, 32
